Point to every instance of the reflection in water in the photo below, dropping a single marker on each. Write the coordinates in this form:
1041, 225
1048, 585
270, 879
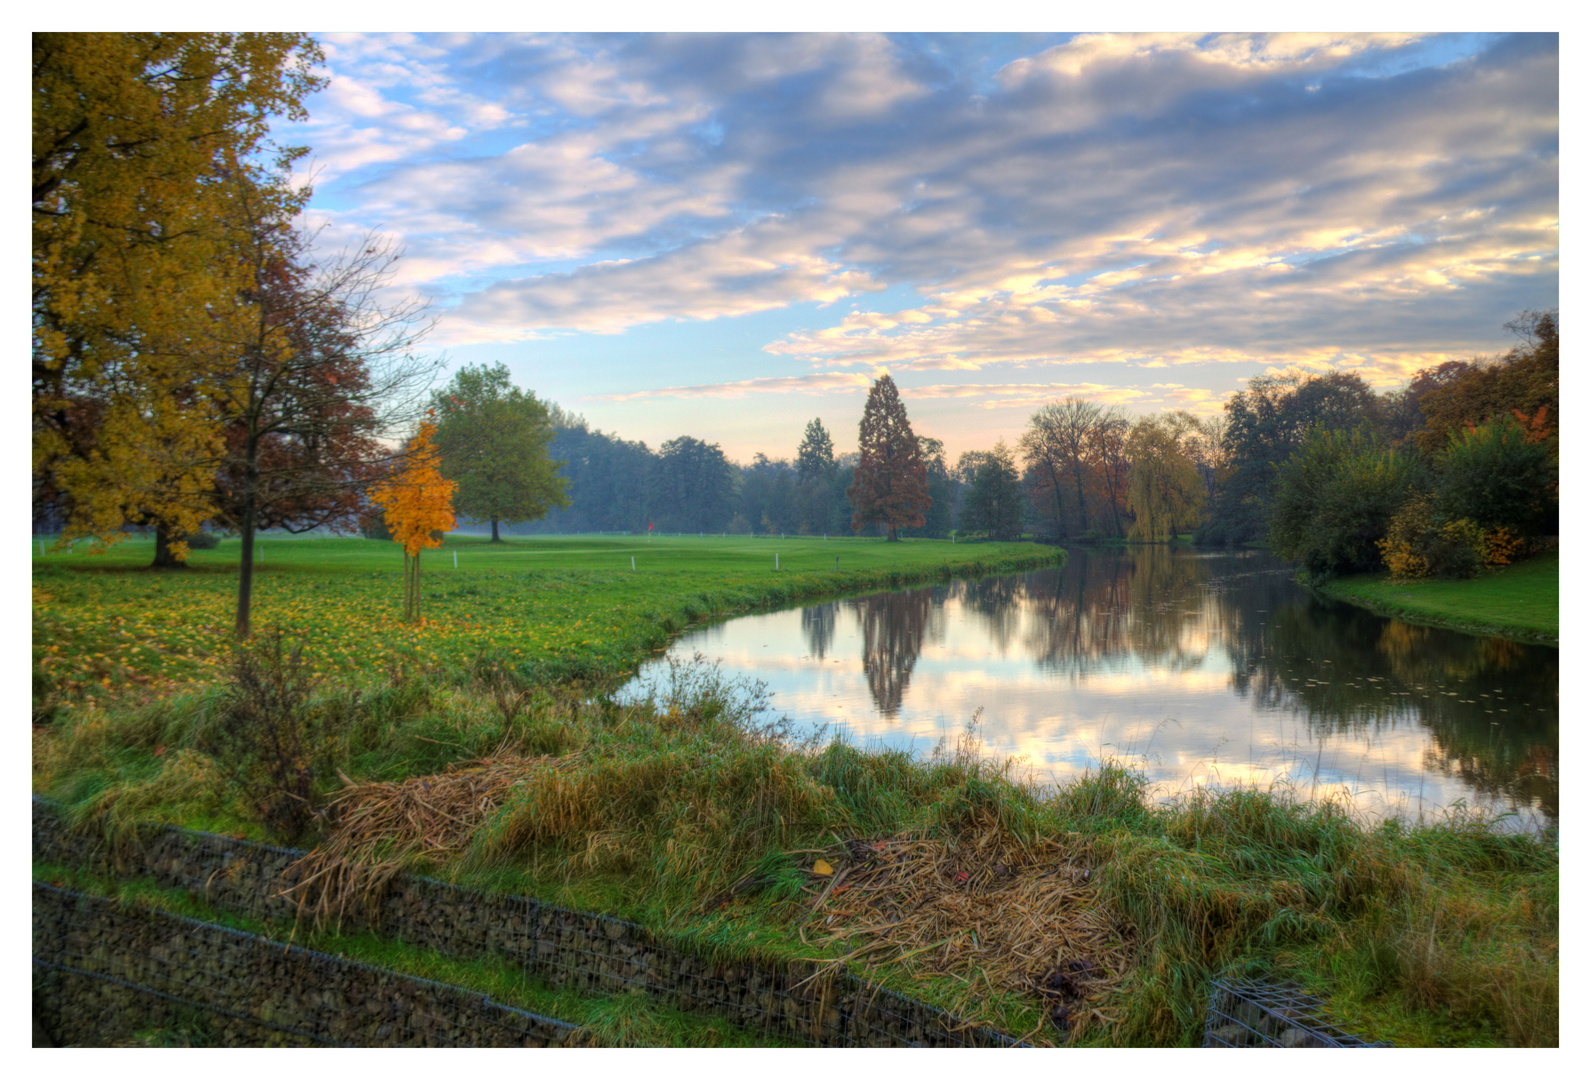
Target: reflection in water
893, 625
1206, 668
818, 623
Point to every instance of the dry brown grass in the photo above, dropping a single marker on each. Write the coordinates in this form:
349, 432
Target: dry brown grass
981, 909
379, 829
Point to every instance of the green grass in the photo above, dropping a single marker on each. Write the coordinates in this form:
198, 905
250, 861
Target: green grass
1518, 601
105, 626
1445, 935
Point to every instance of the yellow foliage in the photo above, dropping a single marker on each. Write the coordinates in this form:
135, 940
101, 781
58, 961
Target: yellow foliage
417, 501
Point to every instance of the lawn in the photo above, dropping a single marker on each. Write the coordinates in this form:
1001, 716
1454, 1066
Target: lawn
1519, 601
558, 607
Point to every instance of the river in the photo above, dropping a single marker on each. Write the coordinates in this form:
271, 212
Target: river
1198, 668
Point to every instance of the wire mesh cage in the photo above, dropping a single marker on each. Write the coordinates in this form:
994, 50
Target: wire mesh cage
1255, 1013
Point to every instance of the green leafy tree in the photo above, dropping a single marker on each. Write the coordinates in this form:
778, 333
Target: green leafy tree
993, 502
1494, 475
694, 488
890, 484
493, 438
1335, 497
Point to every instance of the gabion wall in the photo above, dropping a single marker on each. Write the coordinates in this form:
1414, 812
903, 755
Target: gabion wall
103, 971
567, 948
1253, 1013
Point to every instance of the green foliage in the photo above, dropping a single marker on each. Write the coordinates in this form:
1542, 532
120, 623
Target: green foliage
1165, 493
815, 456
1334, 498
1495, 476
494, 438
993, 502
203, 541
1266, 423
1518, 601
693, 487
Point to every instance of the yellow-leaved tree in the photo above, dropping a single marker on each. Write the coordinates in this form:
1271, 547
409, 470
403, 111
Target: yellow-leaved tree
417, 502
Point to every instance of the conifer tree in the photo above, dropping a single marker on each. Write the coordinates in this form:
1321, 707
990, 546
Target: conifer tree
890, 485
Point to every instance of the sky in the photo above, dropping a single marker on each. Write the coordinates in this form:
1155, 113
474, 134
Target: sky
726, 236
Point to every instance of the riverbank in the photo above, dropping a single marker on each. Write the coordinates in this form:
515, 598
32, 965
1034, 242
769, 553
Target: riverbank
1518, 601
1089, 915
107, 629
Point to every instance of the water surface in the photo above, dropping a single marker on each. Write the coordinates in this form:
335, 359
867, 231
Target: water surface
1201, 668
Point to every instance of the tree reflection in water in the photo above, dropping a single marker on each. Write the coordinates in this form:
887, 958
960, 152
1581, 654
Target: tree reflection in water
893, 626
1266, 681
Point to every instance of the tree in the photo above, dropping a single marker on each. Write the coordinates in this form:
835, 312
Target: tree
937, 518
1164, 489
1335, 497
694, 488
1266, 423
493, 438
417, 502
310, 367
815, 457
1522, 382
993, 503
890, 484
133, 138
1060, 442
1494, 475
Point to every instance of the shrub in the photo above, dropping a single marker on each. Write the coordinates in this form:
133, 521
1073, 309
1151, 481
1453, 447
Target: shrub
269, 740
203, 541
1419, 544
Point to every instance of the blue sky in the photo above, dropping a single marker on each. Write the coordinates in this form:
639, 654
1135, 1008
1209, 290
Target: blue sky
727, 235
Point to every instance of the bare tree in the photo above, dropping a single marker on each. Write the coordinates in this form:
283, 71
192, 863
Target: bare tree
1057, 444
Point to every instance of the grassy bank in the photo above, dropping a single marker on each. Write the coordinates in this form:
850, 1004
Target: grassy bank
1087, 915
1518, 601
107, 629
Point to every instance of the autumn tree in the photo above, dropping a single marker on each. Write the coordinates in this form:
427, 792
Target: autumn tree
308, 367
418, 504
1521, 383
133, 136
493, 438
1058, 443
1164, 490
890, 484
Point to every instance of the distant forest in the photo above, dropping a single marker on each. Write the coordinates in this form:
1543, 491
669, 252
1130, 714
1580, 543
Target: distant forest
1083, 470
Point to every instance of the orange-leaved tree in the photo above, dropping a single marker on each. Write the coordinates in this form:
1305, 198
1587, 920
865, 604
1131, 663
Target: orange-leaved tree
417, 502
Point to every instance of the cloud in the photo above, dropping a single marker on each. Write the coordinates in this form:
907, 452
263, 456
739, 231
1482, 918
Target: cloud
822, 383
1128, 201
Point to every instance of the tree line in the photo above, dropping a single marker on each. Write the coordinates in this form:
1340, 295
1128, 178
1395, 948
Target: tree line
1456, 470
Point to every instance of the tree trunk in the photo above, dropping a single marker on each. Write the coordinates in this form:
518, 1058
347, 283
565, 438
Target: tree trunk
164, 559
245, 573
251, 479
495, 538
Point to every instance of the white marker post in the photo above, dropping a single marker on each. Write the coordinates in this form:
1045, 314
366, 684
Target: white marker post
455, 560
776, 560
632, 562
